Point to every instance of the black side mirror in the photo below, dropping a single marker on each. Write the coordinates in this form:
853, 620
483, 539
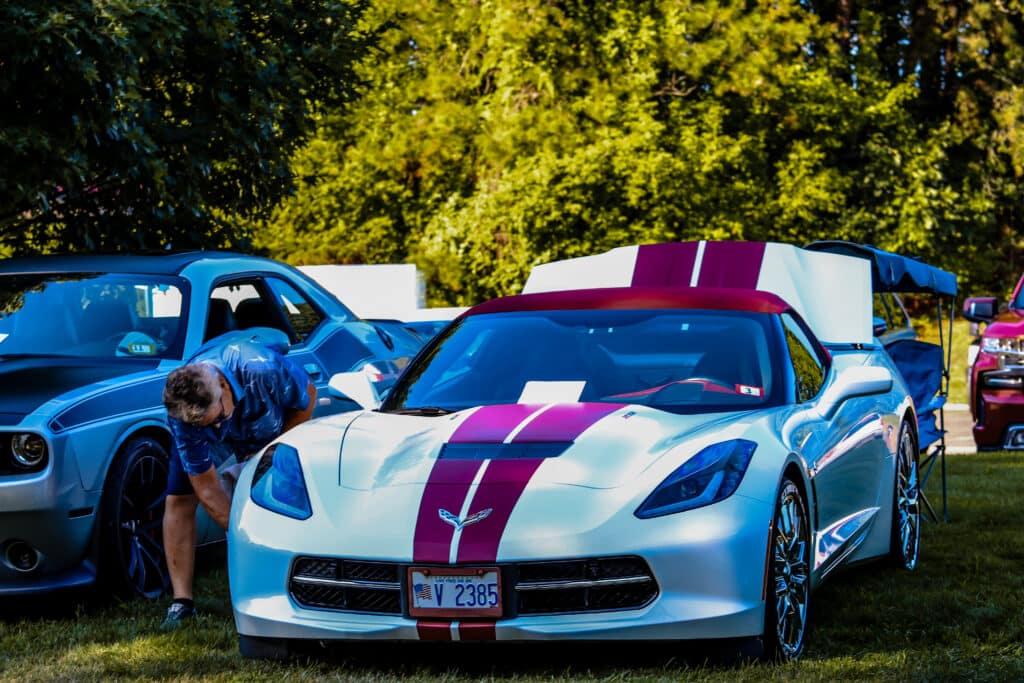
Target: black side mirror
980, 309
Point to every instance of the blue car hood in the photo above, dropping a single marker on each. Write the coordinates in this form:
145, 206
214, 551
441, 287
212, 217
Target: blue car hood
27, 382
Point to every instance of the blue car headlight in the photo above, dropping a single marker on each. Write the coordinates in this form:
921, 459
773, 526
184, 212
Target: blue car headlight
278, 485
708, 477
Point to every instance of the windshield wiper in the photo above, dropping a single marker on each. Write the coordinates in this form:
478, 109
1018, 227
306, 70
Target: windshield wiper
424, 410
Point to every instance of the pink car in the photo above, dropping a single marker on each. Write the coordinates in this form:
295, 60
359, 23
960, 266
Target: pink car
996, 378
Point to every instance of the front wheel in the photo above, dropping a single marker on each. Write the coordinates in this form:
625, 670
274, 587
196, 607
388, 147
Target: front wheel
132, 558
789, 580
906, 512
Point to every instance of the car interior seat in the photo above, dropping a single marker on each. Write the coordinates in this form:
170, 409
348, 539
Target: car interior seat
254, 312
105, 318
44, 322
219, 319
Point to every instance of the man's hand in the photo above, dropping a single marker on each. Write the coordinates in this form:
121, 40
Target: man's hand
295, 417
212, 495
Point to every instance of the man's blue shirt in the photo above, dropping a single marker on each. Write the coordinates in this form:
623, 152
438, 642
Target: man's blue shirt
266, 385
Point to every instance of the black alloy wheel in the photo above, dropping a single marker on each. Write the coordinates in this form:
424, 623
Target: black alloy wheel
132, 549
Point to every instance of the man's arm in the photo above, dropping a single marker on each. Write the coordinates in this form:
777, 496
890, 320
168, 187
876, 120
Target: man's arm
212, 495
295, 417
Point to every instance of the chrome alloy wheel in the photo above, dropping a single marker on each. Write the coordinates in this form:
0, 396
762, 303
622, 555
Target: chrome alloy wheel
908, 502
790, 572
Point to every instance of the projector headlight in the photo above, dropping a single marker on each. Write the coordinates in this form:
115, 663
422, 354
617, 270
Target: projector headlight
708, 477
29, 450
278, 485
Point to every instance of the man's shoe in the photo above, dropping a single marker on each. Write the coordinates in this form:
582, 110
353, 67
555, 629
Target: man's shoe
177, 613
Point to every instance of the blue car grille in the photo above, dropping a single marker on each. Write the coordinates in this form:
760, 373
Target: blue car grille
556, 587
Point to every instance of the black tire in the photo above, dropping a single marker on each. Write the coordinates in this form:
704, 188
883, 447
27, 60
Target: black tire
905, 537
787, 606
255, 647
132, 562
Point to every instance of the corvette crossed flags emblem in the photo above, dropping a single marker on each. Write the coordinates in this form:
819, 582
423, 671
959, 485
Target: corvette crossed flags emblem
459, 523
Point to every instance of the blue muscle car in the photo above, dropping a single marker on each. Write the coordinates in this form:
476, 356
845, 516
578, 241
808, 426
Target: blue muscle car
85, 345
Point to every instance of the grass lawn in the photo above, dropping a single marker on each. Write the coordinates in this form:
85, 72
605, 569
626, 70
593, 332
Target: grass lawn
959, 616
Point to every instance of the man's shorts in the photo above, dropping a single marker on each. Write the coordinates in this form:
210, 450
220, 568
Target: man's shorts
178, 483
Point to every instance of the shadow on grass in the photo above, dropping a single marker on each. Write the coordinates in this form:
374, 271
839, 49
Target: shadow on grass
529, 659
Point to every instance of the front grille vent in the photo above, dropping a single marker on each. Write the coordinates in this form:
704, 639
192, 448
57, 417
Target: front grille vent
328, 583
564, 586
590, 585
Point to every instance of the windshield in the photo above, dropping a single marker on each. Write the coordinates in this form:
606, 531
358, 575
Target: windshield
677, 360
91, 315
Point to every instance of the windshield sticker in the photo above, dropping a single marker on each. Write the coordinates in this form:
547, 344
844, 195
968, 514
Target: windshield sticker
551, 392
744, 390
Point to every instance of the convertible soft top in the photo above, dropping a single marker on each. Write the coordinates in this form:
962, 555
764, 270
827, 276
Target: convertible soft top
832, 292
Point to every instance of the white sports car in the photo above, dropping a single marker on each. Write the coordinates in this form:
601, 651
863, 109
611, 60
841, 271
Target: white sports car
670, 453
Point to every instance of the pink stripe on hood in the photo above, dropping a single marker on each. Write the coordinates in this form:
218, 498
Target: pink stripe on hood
492, 424
565, 422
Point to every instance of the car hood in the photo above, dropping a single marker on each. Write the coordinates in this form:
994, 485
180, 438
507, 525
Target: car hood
442, 489
1008, 324
27, 382
593, 445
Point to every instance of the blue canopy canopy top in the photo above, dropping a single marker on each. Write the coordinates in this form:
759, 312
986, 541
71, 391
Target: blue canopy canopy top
892, 272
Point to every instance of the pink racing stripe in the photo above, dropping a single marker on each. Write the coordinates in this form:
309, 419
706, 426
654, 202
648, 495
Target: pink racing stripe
477, 630
446, 489
664, 265
434, 630
731, 264
564, 422
499, 490
492, 424
502, 485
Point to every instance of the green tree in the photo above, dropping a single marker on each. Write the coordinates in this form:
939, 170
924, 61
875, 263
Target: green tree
497, 135
133, 124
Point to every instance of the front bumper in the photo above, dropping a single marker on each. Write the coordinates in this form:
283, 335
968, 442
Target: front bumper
709, 565
998, 404
50, 513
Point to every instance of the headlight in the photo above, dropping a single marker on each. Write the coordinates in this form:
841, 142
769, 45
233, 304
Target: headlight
1002, 345
278, 485
29, 450
708, 477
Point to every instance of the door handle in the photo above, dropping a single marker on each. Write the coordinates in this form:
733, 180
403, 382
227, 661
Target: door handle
313, 370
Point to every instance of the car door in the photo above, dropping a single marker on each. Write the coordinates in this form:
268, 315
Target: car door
845, 453
269, 300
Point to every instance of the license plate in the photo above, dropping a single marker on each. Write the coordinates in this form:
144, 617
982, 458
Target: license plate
454, 592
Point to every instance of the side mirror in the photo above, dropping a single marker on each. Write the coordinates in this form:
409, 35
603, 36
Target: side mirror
853, 382
878, 326
355, 386
980, 309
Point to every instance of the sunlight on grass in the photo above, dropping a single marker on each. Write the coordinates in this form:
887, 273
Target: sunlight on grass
957, 617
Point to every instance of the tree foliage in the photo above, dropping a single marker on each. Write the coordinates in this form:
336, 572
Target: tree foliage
145, 123
494, 135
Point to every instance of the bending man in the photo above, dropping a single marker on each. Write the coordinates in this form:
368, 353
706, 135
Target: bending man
229, 400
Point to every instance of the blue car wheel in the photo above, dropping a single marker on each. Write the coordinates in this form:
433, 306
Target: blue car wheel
131, 544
